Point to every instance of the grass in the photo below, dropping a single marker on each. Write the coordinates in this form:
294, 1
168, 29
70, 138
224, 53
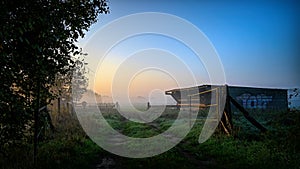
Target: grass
69, 147
66, 148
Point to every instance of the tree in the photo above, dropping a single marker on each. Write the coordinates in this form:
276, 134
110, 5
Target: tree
79, 80
72, 85
294, 94
37, 42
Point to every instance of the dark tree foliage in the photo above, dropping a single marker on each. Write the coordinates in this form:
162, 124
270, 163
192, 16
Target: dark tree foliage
37, 42
295, 93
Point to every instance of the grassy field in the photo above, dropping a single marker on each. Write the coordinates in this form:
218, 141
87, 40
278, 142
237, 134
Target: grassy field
69, 147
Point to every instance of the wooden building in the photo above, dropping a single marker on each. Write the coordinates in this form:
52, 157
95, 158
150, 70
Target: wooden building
247, 97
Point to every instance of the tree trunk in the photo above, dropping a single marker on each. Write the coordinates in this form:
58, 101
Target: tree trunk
58, 105
36, 123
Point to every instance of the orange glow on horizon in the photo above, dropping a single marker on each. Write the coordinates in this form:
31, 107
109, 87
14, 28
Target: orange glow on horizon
142, 84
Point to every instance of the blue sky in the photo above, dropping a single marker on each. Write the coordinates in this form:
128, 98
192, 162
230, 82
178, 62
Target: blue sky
257, 41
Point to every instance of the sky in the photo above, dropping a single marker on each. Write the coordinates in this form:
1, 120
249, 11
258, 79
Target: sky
257, 43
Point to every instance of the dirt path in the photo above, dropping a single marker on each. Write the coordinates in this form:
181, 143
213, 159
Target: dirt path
110, 161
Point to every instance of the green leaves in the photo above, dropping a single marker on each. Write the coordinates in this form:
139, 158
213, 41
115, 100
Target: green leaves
37, 42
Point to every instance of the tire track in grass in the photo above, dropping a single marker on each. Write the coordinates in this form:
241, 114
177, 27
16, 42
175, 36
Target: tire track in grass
190, 156
111, 161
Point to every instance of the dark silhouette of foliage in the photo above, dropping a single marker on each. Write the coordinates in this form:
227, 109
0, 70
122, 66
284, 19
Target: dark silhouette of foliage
295, 93
37, 42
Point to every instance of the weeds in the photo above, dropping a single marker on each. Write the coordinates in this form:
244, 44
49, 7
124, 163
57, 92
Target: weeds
69, 147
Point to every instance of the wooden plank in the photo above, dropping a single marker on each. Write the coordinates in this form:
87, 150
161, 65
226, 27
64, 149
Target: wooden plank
247, 115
